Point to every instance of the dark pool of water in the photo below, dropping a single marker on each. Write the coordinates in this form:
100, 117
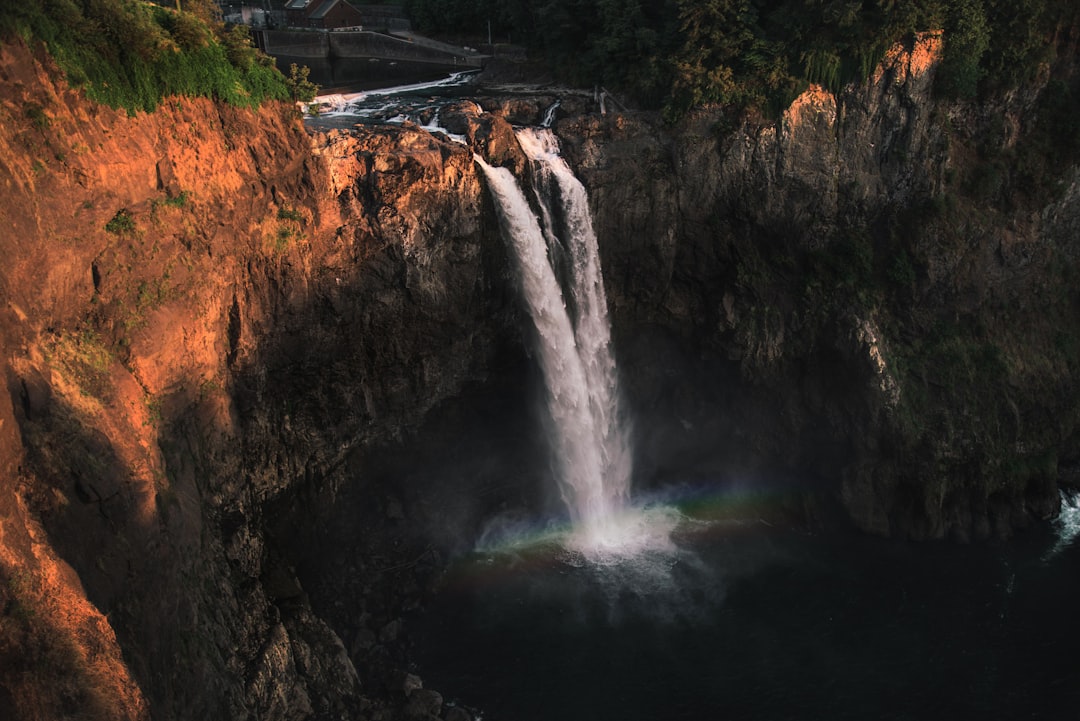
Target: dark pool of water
746, 621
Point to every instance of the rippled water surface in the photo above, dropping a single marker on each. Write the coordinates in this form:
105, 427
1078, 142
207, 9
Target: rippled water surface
740, 620
391, 105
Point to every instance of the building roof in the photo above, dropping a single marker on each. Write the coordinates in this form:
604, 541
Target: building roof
323, 9
297, 4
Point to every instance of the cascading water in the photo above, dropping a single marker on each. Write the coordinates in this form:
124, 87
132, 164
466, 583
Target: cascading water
592, 455
592, 441
549, 116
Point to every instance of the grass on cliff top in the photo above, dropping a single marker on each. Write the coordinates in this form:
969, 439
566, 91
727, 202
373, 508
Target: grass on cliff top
131, 54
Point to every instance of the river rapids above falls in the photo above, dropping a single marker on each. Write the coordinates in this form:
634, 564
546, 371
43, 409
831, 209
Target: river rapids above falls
416, 102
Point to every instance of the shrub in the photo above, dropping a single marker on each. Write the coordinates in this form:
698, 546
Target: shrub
301, 89
289, 214
37, 116
189, 32
178, 201
239, 48
121, 223
967, 39
83, 357
282, 238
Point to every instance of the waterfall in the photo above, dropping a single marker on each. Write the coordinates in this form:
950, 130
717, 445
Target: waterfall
549, 116
592, 456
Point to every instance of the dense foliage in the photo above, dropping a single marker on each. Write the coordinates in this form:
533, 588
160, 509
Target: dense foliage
131, 53
683, 53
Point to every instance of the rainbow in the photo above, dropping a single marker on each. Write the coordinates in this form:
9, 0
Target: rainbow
657, 526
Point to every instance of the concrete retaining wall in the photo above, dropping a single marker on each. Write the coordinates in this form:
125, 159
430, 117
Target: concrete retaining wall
358, 45
294, 43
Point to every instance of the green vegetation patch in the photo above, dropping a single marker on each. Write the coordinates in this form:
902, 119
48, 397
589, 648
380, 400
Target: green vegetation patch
288, 229
680, 54
178, 201
85, 358
37, 116
290, 214
282, 238
122, 223
131, 54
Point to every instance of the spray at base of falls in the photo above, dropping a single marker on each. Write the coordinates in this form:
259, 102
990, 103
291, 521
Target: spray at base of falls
588, 435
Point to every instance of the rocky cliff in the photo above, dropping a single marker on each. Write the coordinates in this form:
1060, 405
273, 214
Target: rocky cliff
875, 295
205, 310
219, 331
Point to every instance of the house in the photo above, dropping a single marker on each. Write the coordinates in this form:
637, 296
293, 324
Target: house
334, 14
321, 14
296, 12
391, 17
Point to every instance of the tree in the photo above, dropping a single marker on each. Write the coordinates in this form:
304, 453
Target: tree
239, 48
300, 88
967, 38
715, 33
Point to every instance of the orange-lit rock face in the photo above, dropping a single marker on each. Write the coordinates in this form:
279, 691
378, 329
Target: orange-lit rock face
110, 328
923, 57
60, 655
814, 105
155, 266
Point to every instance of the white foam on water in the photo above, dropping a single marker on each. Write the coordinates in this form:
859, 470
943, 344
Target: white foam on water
434, 127
631, 532
354, 103
1067, 524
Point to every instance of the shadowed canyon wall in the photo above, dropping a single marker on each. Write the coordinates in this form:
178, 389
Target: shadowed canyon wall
215, 325
865, 307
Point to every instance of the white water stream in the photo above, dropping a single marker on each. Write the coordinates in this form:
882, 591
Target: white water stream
589, 439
